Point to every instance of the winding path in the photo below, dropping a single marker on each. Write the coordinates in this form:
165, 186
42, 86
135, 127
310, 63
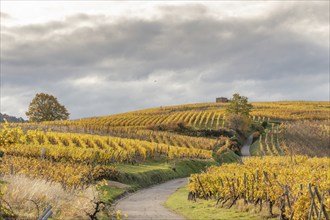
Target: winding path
148, 203
245, 151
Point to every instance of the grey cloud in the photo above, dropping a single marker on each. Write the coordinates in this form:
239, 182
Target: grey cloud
183, 55
315, 12
183, 12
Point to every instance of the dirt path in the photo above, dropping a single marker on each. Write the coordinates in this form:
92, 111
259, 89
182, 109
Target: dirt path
148, 203
245, 151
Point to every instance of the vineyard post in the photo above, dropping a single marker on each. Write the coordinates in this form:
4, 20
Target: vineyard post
42, 153
310, 214
11, 169
313, 205
322, 208
286, 193
221, 182
245, 187
252, 192
235, 195
270, 210
257, 177
270, 203
282, 208
301, 188
259, 199
199, 182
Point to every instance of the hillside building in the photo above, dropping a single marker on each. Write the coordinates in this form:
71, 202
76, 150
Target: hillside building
221, 99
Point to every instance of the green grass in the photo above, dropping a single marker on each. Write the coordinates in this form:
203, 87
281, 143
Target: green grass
228, 157
143, 175
146, 174
145, 167
109, 194
255, 148
202, 209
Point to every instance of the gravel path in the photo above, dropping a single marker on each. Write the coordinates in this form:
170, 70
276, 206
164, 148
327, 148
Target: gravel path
245, 151
148, 203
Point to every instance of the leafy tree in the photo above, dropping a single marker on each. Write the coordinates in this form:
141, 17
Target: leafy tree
239, 123
238, 111
45, 107
239, 105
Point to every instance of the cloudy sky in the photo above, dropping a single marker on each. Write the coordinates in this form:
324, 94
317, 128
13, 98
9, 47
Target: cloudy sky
106, 57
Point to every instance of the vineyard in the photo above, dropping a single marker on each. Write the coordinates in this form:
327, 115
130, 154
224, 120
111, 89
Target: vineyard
69, 175
304, 137
200, 116
297, 186
84, 148
85, 157
151, 134
78, 153
310, 138
292, 111
270, 143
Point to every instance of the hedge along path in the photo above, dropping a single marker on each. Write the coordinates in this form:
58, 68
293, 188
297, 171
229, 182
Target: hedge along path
148, 203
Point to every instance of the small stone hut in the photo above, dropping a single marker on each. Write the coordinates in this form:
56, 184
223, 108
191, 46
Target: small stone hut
221, 99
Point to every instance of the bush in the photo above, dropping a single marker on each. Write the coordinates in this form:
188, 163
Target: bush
226, 132
225, 144
238, 123
257, 127
264, 124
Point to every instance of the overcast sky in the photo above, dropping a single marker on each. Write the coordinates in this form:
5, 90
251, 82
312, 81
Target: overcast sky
103, 57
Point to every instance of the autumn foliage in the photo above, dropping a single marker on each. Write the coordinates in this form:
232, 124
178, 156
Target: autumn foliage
46, 107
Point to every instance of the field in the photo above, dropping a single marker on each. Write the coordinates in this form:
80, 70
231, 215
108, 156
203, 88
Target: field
153, 145
295, 138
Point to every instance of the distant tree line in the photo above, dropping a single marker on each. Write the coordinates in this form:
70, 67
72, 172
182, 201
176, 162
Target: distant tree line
10, 118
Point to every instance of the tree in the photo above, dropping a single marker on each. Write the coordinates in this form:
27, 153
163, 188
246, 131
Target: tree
238, 111
45, 107
239, 123
239, 105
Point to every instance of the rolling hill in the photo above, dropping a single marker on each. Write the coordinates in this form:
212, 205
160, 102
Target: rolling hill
148, 146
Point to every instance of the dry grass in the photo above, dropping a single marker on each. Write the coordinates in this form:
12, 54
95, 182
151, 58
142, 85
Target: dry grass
23, 194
